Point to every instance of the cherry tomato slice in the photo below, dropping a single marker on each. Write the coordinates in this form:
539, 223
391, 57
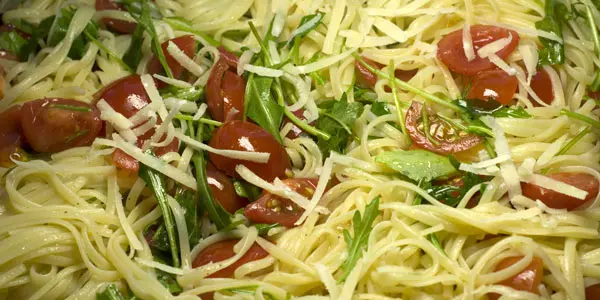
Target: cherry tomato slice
186, 43
127, 96
223, 250
223, 191
225, 93
295, 131
11, 135
592, 292
367, 79
119, 26
557, 200
246, 136
542, 86
271, 209
452, 53
56, 124
228, 57
494, 84
528, 280
449, 141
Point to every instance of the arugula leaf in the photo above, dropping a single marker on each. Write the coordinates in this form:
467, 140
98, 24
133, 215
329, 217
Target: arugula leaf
451, 194
553, 52
476, 108
134, 7
263, 229
187, 201
340, 116
518, 112
364, 95
12, 42
418, 164
166, 279
37, 33
133, 55
110, 292
60, 26
380, 108
307, 24
194, 94
246, 190
261, 107
144, 20
432, 237
156, 182
362, 226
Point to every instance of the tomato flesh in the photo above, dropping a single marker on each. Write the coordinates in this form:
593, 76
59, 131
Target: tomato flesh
527, 280
119, 26
225, 91
271, 209
493, 84
592, 292
127, 96
228, 57
56, 124
186, 43
542, 87
246, 136
449, 141
368, 79
557, 200
223, 190
223, 250
452, 53
11, 135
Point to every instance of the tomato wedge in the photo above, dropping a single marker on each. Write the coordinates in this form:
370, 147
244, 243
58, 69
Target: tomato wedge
493, 84
246, 136
56, 124
542, 86
449, 141
271, 209
592, 292
223, 250
11, 135
119, 26
127, 96
225, 90
228, 57
295, 131
528, 280
186, 43
452, 53
223, 190
557, 200
367, 79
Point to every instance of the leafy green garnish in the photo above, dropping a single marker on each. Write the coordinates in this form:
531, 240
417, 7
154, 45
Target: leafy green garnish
167, 280
261, 107
418, 164
380, 108
450, 194
60, 26
133, 55
187, 201
110, 292
182, 24
580, 117
573, 141
340, 115
362, 226
553, 52
246, 190
307, 24
263, 229
134, 7
156, 182
194, 94
432, 237
518, 112
12, 42
364, 95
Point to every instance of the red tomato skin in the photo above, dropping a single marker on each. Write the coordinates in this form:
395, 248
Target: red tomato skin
592, 292
214, 98
127, 96
368, 79
246, 136
542, 87
413, 115
296, 131
223, 190
48, 128
11, 135
186, 43
119, 26
223, 250
557, 200
452, 54
528, 280
495, 84
271, 209
230, 58
225, 93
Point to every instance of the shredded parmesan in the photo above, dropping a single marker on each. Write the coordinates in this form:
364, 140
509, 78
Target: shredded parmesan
258, 157
467, 42
186, 62
263, 71
557, 186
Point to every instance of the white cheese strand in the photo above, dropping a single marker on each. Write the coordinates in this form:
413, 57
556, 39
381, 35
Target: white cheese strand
200, 112
245, 59
258, 157
467, 42
186, 62
263, 71
556, 185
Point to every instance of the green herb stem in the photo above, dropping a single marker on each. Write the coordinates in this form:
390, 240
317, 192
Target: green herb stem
304, 126
397, 102
580, 117
201, 120
573, 141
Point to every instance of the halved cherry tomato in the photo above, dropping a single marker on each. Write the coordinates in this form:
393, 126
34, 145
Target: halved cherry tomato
127, 96
119, 26
225, 92
246, 136
295, 131
542, 86
4, 53
223, 250
452, 53
8, 55
493, 84
557, 200
223, 191
592, 292
271, 209
449, 141
528, 280
228, 57
367, 79
11, 135
186, 43
56, 124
